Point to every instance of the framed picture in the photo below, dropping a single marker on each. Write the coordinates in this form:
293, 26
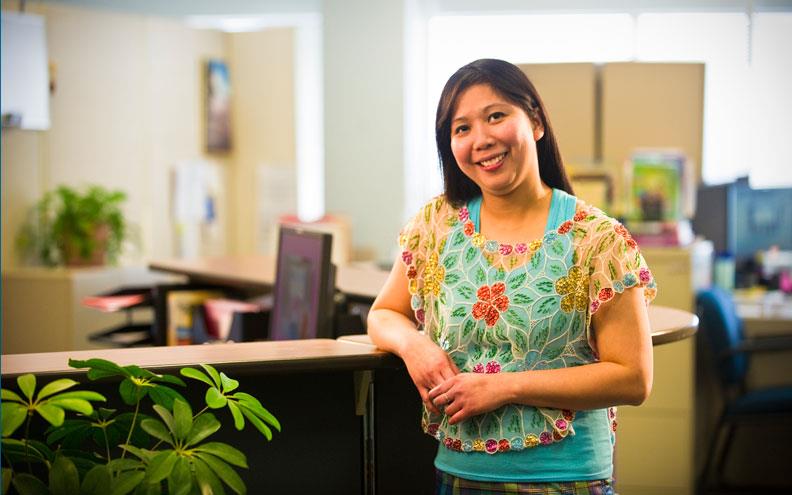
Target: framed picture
304, 285
595, 188
218, 106
659, 185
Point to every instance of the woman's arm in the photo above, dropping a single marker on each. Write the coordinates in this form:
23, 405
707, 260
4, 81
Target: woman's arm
391, 328
622, 376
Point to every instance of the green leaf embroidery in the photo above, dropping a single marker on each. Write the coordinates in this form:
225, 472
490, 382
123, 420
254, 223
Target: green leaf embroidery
470, 253
555, 348
459, 312
539, 335
522, 298
612, 270
557, 247
500, 275
514, 318
450, 261
556, 269
515, 281
545, 286
480, 276
536, 259
452, 278
459, 238
547, 306
465, 291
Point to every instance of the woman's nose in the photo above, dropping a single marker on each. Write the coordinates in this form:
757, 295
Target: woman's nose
482, 139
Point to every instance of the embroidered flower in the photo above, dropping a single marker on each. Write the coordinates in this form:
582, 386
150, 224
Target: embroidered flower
478, 368
631, 242
491, 446
491, 246
629, 280
594, 307
644, 275
614, 424
464, 214
407, 257
503, 445
561, 424
557, 436
478, 240
545, 438
574, 289
448, 442
467, 446
420, 315
505, 249
517, 443
580, 215
565, 227
469, 228
521, 248
412, 272
531, 441
478, 445
493, 367
605, 294
568, 415
491, 300
412, 286
535, 245
457, 444
434, 274
432, 429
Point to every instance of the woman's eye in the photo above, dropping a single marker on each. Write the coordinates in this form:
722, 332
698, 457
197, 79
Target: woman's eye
496, 116
460, 128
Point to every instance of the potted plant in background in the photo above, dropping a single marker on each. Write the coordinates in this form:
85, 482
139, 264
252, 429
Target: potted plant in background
71, 227
106, 451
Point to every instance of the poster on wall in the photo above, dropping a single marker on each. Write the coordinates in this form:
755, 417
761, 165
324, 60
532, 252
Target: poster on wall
218, 106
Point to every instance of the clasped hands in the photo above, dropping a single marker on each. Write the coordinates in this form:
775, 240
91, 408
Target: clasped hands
445, 390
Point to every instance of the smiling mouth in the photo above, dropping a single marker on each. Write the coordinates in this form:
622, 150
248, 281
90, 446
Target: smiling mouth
492, 161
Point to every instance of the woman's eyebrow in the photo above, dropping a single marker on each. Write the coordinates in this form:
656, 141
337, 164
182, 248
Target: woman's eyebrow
483, 110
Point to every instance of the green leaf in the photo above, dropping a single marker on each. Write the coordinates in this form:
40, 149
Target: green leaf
225, 472
53, 414
7, 474
229, 384
130, 392
182, 419
180, 479
99, 365
208, 482
225, 452
27, 384
212, 373
239, 420
55, 387
149, 489
196, 375
96, 481
215, 399
10, 395
166, 416
126, 482
94, 374
63, 477
173, 380
156, 429
14, 415
27, 484
253, 404
203, 426
161, 466
144, 454
77, 405
260, 426
138, 372
164, 396
124, 464
81, 394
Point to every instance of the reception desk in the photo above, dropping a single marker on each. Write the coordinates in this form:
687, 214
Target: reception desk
349, 412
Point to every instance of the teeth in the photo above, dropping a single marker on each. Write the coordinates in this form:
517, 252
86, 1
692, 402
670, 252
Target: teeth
492, 161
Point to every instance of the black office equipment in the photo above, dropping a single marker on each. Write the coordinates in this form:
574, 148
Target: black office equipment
304, 286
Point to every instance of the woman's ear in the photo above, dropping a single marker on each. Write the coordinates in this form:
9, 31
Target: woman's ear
538, 132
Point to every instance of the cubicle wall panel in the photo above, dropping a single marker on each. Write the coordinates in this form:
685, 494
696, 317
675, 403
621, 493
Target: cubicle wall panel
404, 453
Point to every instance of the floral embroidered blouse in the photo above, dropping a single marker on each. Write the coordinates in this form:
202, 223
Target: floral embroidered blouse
498, 308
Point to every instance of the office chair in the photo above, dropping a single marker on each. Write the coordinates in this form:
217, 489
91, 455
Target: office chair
723, 332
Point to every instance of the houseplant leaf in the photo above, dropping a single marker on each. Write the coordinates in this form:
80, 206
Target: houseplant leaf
55, 387
239, 420
126, 482
13, 415
215, 399
196, 375
203, 426
225, 452
63, 477
161, 466
182, 419
207, 479
180, 479
157, 429
223, 471
96, 481
27, 484
229, 384
53, 414
27, 384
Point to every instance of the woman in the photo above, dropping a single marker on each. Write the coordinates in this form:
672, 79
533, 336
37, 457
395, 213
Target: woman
533, 303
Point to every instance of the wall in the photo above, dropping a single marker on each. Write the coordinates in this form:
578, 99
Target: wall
363, 46
262, 78
128, 106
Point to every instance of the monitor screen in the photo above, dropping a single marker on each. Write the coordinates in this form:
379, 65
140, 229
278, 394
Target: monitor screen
302, 302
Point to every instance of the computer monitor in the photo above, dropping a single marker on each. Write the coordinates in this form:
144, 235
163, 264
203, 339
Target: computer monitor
304, 284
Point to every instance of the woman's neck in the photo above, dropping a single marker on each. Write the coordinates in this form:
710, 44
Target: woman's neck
516, 217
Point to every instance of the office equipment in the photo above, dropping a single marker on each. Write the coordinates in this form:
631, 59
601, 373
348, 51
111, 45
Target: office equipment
731, 354
304, 286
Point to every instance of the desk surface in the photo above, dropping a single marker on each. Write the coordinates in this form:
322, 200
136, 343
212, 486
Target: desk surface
290, 355
259, 271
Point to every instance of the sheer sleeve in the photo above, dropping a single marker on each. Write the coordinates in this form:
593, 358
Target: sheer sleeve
616, 263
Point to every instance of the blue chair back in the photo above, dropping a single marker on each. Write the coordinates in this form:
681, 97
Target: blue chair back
723, 331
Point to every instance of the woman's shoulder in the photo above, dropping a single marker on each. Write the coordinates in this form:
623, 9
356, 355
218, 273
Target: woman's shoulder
436, 208
592, 225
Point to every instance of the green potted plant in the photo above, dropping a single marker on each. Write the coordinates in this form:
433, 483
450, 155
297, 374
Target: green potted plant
75, 227
106, 451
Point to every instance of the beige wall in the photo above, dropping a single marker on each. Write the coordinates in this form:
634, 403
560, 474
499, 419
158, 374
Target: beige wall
262, 78
129, 105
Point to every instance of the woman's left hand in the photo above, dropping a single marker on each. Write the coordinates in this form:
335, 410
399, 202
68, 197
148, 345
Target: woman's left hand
466, 395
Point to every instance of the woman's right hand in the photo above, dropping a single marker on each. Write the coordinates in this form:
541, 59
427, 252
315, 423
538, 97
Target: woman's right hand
428, 366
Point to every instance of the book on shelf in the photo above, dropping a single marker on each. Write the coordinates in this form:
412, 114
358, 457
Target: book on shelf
219, 315
181, 305
113, 303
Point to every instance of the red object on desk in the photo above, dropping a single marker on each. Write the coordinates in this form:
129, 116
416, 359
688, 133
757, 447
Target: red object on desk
113, 303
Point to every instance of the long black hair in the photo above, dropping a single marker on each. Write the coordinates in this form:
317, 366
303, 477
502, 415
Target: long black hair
513, 85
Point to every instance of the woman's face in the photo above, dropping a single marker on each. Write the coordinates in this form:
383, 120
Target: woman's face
494, 141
